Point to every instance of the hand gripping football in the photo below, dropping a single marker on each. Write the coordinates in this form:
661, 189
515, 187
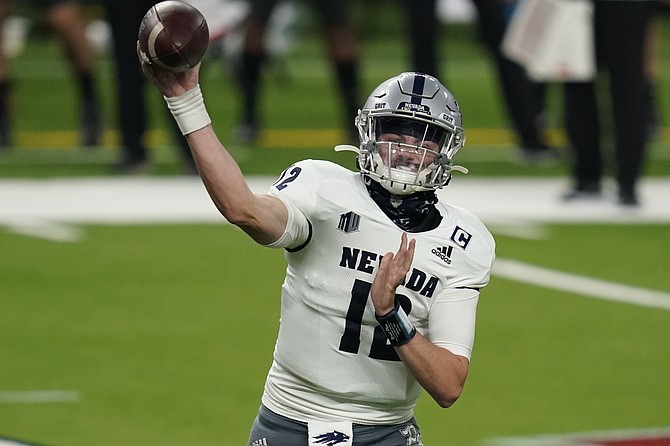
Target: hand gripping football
173, 35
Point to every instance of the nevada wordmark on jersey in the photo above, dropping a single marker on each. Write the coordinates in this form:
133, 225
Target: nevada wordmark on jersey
332, 360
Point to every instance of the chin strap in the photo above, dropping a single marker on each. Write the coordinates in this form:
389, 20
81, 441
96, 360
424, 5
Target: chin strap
446, 163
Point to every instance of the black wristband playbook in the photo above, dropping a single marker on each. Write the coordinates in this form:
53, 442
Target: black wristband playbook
399, 330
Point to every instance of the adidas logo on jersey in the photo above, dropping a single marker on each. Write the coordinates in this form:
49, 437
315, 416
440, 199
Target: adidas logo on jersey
444, 253
261, 442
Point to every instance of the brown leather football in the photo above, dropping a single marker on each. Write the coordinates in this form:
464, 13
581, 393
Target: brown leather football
173, 35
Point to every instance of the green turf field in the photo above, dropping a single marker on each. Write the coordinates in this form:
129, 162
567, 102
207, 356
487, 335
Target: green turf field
166, 332
162, 334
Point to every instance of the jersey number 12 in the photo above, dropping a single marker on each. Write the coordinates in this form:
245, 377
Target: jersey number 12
351, 338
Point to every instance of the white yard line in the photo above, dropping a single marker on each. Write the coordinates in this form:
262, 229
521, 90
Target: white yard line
586, 286
8, 442
39, 396
46, 229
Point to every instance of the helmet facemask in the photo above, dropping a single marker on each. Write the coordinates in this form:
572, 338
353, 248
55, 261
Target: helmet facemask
406, 152
410, 129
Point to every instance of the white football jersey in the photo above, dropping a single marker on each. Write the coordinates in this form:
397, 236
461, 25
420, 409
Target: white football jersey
332, 360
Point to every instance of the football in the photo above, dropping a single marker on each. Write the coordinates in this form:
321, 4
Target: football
173, 35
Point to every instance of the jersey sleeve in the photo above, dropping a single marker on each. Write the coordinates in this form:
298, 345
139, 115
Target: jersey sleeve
451, 318
297, 185
477, 253
451, 322
295, 188
298, 230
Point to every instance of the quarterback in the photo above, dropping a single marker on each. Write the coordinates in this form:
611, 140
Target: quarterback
382, 279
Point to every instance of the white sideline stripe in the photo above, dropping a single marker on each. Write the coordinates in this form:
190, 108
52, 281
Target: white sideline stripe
587, 286
581, 438
141, 200
39, 396
53, 208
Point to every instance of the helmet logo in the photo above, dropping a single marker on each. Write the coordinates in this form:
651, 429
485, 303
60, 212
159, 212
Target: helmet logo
408, 106
447, 117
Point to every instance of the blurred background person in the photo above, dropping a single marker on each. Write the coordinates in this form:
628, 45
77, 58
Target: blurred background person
124, 18
341, 47
64, 18
623, 56
652, 65
523, 98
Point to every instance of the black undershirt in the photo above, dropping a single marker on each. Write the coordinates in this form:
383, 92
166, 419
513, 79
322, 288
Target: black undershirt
411, 213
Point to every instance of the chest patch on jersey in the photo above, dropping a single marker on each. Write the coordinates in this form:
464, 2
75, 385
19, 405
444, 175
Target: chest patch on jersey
349, 222
461, 237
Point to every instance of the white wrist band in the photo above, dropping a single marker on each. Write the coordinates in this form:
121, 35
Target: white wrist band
189, 110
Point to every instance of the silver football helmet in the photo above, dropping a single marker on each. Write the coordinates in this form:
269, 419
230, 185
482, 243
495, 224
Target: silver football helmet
410, 130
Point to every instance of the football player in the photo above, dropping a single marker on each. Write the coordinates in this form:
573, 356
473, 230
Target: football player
383, 279
66, 19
